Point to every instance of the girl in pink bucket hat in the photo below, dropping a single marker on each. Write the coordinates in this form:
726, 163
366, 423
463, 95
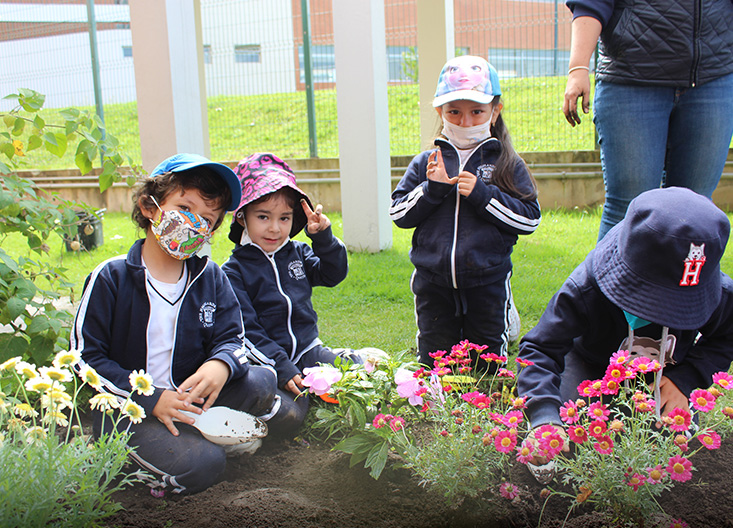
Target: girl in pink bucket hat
273, 277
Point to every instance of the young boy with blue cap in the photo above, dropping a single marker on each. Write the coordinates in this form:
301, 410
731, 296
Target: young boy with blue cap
655, 277
163, 310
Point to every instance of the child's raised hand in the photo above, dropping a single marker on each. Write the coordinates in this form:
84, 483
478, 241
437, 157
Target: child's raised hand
436, 168
466, 183
317, 221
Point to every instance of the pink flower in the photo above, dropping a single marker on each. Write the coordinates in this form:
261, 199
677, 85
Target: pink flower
505, 373
549, 441
681, 442
728, 411
604, 445
644, 365
477, 399
578, 434
408, 386
519, 403
723, 380
678, 523
490, 357
679, 420
505, 442
370, 364
644, 405
524, 452
702, 400
620, 357
397, 423
598, 411
709, 439
609, 386
381, 420
679, 468
656, 474
597, 428
636, 481
524, 362
569, 412
320, 379
588, 388
508, 490
512, 418
618, 372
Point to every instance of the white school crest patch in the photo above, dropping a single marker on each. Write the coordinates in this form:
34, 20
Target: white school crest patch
295, 268
693, 265
206, 314
483, 173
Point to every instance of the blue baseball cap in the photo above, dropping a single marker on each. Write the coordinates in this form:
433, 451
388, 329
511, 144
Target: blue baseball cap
662, 261
184, 162
467, 77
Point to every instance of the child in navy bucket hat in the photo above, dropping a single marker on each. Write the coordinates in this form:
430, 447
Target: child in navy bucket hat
164, 310
273, 277
468, 199
654, 279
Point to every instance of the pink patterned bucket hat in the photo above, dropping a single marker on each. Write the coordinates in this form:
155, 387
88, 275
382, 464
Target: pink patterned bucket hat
260, 174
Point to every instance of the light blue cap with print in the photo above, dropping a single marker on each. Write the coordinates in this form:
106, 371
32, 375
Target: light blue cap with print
467, 77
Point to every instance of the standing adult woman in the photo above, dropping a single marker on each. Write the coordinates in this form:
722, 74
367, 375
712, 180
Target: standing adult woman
663, 104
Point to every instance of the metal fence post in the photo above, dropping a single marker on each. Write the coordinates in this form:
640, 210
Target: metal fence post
308, 69
92, 21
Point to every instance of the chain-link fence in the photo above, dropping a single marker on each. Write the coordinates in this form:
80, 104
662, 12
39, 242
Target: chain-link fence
255, 78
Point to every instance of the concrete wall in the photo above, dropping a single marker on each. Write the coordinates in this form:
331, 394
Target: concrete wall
565, 180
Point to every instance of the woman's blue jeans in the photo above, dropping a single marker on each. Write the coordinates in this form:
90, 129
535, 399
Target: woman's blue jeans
653, 136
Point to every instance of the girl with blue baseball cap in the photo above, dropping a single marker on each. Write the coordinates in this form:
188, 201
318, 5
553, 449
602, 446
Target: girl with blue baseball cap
469, 198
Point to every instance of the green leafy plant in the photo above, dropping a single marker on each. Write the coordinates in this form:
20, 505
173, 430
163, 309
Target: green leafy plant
623, 455
51, 473
457, 432
29, 283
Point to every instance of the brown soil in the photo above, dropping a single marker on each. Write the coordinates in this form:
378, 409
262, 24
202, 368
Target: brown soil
300, 485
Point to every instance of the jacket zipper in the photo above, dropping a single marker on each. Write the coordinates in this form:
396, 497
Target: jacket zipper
289, 303
697, 25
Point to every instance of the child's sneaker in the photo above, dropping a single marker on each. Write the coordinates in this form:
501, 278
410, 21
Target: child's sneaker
244, 448
515, 324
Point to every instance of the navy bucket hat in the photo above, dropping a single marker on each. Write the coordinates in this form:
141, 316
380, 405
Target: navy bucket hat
662, 261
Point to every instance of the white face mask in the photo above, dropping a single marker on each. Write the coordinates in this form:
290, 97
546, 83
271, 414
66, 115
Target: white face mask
467, 137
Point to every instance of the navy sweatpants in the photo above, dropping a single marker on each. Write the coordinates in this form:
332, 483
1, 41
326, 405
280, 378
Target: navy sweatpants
446, 316
189, 463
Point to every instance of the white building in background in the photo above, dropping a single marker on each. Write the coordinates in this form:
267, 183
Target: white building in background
248, 50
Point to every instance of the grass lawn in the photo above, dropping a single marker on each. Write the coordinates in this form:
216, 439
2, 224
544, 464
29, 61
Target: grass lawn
374, 305
278, 122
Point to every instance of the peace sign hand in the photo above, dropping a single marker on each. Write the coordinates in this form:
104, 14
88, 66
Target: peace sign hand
317, 221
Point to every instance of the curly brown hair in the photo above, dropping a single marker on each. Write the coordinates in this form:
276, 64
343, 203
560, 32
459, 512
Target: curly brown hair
213, 189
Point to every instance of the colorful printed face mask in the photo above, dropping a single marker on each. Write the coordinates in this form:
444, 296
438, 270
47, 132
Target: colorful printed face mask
181, 234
